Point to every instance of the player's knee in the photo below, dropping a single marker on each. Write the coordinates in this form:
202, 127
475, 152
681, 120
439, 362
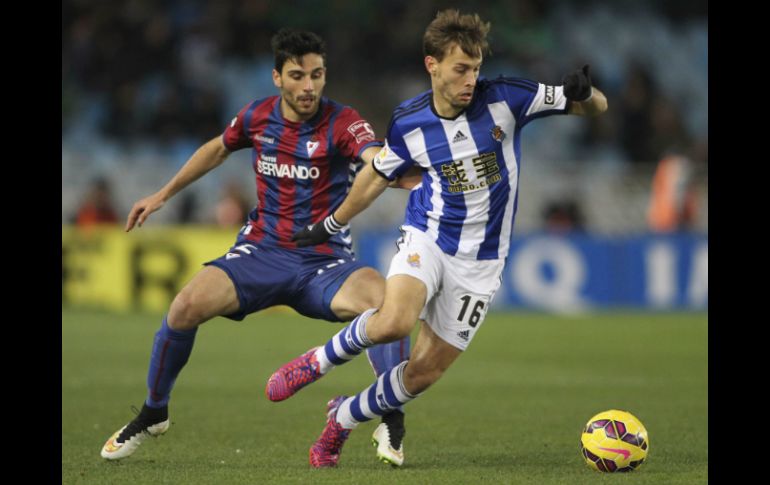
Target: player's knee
372, 289
372, 299
184, 313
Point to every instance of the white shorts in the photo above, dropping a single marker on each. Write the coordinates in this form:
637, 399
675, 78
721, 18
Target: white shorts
459, 290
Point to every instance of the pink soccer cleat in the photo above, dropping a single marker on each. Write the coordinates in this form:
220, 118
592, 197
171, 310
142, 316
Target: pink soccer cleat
292, 377
325, 452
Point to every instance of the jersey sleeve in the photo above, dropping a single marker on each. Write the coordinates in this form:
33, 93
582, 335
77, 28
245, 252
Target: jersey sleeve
353, 134
549, 100
529, 100
394, 158
235, 136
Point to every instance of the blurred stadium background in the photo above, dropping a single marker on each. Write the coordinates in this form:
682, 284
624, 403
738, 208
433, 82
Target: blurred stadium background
145, 83
609, 263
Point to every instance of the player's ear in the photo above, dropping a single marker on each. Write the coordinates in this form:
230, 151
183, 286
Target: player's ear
277, 79
431, 65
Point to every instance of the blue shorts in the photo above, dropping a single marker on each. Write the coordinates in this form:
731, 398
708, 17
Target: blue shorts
265, 276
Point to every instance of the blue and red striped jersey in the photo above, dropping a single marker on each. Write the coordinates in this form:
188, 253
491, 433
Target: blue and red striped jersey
303, 169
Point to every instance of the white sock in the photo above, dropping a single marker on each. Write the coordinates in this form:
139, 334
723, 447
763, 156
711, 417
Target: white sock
344, 418
323, 362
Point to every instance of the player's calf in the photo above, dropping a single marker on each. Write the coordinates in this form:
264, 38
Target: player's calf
388, 326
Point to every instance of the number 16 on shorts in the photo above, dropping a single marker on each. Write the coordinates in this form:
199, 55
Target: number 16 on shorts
471, 310
473, 316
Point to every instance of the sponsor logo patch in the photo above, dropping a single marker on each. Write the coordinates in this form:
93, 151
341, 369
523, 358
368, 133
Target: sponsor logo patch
264, 139
362, 131
486, 169
267, 165
381, 154
549, 95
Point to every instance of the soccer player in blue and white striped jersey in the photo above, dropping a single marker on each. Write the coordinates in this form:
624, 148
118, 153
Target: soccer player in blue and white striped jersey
464, 135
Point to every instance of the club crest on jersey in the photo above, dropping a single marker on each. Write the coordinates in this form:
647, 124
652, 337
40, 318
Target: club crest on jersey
311, 147
413, 260
497, 133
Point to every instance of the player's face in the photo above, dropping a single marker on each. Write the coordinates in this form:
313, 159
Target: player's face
301, 86
454, 78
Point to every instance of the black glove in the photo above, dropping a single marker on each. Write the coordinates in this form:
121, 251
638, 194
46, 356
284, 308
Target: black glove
314, 234
577, 85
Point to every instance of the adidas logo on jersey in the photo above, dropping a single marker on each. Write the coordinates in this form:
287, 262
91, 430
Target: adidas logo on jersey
464, 334
459, 136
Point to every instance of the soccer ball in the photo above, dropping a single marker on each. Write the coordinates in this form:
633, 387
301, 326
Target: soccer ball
614, 441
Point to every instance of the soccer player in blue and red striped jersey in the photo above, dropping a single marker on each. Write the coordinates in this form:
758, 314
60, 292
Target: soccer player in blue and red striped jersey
306, 150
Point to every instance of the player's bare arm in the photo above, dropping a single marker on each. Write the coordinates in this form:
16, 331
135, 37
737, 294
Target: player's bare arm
596, 105
366, 188
206, 158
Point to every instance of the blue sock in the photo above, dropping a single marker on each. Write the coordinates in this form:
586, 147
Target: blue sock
387, 393
384, 357
170, 352
348, 343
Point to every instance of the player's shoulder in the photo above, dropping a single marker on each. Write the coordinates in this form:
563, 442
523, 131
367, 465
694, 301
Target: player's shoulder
346, 121
258, 107
509, 82
262, 102
410, 111
416, 103
331, 107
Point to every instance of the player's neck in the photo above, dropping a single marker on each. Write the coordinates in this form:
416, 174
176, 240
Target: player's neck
289, 114
443, 108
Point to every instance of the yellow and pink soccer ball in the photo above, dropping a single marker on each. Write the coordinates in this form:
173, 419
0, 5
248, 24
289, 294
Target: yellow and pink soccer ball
614, 441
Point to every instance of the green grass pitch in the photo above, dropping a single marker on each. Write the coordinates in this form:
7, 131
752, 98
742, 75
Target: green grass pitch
510, 410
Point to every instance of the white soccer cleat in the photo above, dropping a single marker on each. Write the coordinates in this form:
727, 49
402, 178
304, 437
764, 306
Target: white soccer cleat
386, 453
127, 439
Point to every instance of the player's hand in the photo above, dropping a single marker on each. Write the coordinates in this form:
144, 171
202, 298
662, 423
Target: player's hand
577, 84
142, 210
314, 234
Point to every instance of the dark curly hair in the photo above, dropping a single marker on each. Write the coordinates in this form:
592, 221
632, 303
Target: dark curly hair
292, 44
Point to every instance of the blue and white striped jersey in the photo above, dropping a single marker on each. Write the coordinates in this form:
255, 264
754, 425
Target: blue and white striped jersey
468, 196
